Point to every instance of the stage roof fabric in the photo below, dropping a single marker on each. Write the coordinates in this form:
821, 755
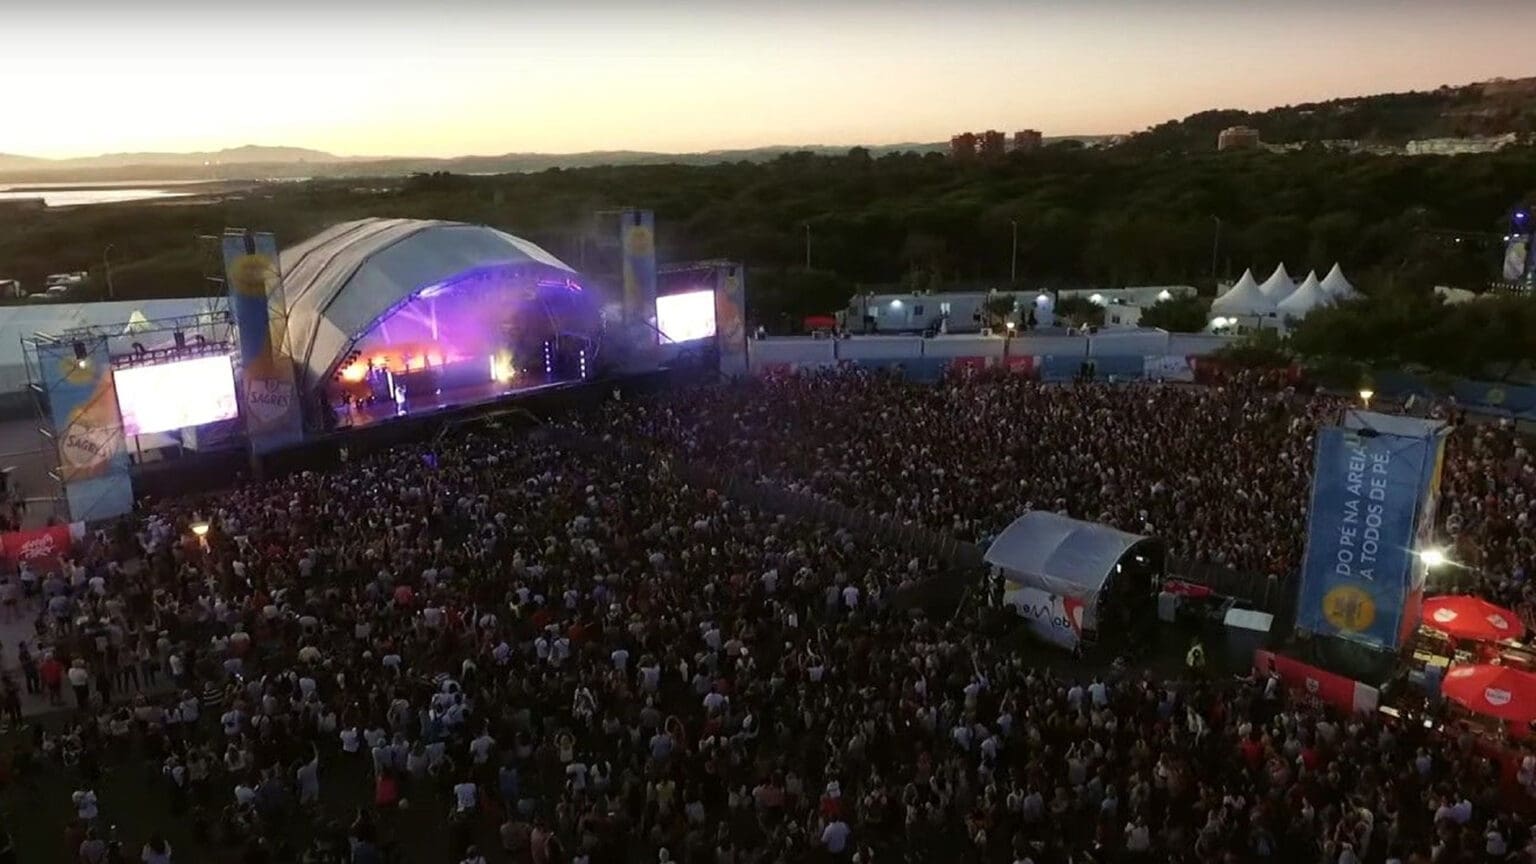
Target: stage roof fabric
1063, 556
343, 280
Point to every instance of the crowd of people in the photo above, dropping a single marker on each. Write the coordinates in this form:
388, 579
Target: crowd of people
550, 648
1222, 474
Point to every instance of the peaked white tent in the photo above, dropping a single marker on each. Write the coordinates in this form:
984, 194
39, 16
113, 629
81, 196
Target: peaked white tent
137, 323
1305, 298
1244, 298
1337, 287
1279, 285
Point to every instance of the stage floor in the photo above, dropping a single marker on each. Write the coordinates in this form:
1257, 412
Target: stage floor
442, 400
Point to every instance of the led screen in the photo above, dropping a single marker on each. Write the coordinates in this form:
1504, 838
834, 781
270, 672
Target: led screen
686, 317
175, 395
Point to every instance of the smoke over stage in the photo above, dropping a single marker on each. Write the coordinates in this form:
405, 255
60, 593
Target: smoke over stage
474, 338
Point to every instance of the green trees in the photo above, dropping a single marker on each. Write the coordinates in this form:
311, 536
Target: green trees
1078, 311
1101, 218
998, 310
1178, 314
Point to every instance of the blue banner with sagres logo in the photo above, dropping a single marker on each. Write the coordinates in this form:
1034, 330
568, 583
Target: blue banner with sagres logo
76, 377
1373, 493
270, 398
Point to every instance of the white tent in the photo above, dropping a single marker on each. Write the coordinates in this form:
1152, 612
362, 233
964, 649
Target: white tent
1059, 555
1337, 287
137, 323
1305, 298
1244, 298
1279, 285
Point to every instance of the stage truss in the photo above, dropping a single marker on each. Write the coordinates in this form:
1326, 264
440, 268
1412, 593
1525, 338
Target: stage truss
210, 332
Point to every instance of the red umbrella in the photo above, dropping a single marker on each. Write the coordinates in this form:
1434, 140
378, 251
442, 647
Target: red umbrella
1467, 617
1497, 691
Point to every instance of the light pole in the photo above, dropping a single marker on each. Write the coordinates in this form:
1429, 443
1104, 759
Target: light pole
1365, 397
1215, 246
106, 264
807, 246
1013, 269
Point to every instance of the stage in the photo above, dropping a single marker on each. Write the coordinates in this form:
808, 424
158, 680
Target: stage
355, 417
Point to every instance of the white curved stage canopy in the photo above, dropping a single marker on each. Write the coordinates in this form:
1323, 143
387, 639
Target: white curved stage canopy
358, 277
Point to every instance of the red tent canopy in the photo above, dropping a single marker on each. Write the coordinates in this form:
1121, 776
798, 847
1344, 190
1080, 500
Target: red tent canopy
1497, 691
820, 322
1464, 617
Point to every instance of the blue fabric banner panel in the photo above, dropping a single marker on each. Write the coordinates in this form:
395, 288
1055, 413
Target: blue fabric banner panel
1060, 367
93, 458
270, 398
637, 236
1359, 565
1122, 367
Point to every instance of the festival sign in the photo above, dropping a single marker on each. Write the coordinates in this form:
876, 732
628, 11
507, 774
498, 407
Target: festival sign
267, 389
731, 318
44, 550
1360, 571
1169, 367
637, 237
1056, 619
77, 379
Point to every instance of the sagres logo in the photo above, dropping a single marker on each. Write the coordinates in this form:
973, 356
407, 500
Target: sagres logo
38, 547
269, 400
253, 276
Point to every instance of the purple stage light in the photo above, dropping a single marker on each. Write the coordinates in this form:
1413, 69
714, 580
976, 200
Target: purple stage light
487, 323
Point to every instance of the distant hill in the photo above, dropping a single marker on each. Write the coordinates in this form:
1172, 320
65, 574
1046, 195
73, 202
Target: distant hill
1486, 108
248, 155
259, 163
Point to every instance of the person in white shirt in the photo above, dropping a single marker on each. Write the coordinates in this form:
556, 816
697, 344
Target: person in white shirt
481, 748
85, 803
1099, 693
465, 796
1138, 838
835, 836
245, 794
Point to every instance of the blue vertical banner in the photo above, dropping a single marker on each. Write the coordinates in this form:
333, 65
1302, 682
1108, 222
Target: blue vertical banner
88, 429
1424, 530
1372, 507
268, 394
731, 317
637, 237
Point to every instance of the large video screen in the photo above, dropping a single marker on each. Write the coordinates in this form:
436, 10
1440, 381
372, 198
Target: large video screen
686, 317
175, 395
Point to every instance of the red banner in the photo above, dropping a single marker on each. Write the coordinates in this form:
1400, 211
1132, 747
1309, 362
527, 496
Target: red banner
44, 549
1022, 364
1343, 693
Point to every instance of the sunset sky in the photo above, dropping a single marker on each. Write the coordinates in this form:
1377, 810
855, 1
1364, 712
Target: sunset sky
451, 78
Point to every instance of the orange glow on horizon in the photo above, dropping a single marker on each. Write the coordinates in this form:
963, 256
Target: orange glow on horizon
691, 77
